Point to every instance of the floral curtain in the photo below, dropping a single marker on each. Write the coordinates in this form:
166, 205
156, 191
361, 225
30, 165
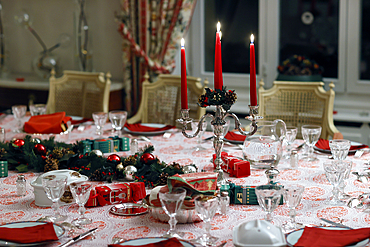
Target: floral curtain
151, 32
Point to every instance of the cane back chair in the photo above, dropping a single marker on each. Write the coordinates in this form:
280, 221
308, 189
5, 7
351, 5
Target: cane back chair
299, 103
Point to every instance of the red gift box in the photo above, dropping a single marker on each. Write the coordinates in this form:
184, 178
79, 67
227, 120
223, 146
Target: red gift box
234, 166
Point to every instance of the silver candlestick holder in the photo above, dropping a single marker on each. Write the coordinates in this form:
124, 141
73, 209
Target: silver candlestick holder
218, 122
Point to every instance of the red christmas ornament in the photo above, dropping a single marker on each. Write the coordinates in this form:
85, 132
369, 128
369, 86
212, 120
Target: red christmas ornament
146, 157
19, 142
114, 158
40, 149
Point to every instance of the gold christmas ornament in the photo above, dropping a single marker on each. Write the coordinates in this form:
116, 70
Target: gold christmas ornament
120, 167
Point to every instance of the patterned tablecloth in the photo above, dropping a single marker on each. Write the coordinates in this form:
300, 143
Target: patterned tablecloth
179, 149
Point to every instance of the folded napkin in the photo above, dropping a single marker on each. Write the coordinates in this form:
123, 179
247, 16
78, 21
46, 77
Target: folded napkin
320, 237
47, 124
234, 136
171, 242
32, 234
324, 144
74, 122
138, 127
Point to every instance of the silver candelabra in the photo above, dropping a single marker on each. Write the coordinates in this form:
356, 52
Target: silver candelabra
218, 122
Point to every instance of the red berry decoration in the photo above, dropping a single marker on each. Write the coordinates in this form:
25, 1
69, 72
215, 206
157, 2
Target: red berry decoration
40, 149
114, 158
146, 157
19, 142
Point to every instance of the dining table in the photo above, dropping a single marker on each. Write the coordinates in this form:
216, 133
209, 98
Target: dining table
177, 148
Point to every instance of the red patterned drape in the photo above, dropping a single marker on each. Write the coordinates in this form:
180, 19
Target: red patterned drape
151, 32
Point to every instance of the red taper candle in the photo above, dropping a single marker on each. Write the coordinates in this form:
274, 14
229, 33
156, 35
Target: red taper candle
184, 85
253, 90
218, 81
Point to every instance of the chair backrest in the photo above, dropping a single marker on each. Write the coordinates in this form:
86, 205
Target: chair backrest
79, 93
299, 103
161, 100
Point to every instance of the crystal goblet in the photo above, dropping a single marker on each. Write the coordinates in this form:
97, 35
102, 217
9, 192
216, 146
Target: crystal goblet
54, 187
118, 120
290, 135
100, 118
171, 202
206, 207
37, 109
292, 195
81, 193
194, 127
335, 173
19, 111
268, 197
311, 134
339, 148
348, 167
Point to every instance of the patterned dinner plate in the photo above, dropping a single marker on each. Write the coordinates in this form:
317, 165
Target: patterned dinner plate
59, 231
142, 241
147, 133
329, 152
293, 237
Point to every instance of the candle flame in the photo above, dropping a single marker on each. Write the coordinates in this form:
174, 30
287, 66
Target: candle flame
218, 26
220, 35
182, 42
252, 38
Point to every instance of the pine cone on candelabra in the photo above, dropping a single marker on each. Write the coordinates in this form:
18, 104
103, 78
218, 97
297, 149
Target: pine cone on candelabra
203, 100
51, 164
230, 97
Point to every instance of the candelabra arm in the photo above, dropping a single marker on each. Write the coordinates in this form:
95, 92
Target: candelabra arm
239, 128
185, 122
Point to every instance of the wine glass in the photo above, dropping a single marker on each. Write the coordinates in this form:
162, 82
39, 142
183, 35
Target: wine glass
194, 127
37, 109
339, 148
171, 202
100, 118
118, 120
292, 195
311, 134
335, 173
19, 111
54, 187
81, 193
290, 135
206, 207
342, 185
268, 197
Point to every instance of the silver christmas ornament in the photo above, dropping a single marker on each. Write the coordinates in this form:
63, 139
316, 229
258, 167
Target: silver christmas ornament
189, 169
97, 152
36, 140
130, 172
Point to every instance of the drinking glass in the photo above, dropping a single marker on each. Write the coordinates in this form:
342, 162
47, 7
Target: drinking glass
54, 187
194, 127
100, 118
171, 202
268, 197
19, 111
206, 207
118, 120
37, 109
292, 196
342, 195
335, 173
311, 134
339, 148
81, 193
291, 134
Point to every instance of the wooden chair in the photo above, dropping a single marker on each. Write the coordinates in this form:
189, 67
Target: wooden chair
299, 103
161, 100
79, 93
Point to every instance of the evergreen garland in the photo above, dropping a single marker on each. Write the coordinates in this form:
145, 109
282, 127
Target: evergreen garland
223, 97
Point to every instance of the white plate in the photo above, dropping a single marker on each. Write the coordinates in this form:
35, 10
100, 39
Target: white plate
154, 125
141, 241
293, 237
59, 231
233, 141
349, 152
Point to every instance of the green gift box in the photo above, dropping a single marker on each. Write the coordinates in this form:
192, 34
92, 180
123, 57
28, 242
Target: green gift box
104, 145
246, 195
3, 168
87, 145
123, 143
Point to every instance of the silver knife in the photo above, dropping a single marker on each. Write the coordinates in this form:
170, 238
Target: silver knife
78, 238
335, 223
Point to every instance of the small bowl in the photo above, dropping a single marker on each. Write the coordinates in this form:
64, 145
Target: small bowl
41, 199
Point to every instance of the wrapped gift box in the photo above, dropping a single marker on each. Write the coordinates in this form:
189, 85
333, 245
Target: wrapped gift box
245, 195
3, 168
110, 145
234, 166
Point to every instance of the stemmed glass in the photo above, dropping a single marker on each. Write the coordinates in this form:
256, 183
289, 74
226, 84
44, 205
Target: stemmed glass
37, 109
100, 118
206, 207
339, 148
268, 197
171, 203
194, 126
335, 173
311, 134
54, 187
292, 197
290, 135
118, 120
81, 193
19, 111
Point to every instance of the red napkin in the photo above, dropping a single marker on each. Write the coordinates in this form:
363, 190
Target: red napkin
171, 242
32, 234
234, 136
324, 144
320, 237
47, 124
74, 122
138, 127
